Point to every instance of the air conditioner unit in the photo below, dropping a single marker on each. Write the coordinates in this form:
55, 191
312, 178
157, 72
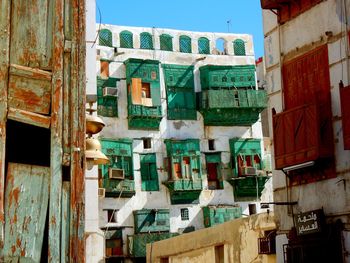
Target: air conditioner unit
115, 173
110, 92
249, 171
101, 192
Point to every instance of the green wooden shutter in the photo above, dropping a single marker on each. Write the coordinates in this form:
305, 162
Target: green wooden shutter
203, 45
146, 41
155, 94
166, 42
105, 38
185, 44
126, 39
239, 47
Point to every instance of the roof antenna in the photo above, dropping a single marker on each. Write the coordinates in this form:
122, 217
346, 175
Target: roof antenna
228, 25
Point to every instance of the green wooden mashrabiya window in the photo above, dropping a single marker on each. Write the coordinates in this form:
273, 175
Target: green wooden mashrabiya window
185, 44
146, 40
105, 38
149, 174
126, 39
239, 47
119, 153
107, 100
166, 42
181, 96
246, 153
203, 45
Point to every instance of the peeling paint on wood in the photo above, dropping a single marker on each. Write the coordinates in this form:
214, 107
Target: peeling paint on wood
29, 118
65, 222
56, 135
27, 195
4, 61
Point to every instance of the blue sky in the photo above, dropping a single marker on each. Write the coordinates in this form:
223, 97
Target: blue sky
194, 15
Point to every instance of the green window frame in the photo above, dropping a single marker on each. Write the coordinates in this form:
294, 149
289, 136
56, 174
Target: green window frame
185, 44
146, 40
213, 160
126, 39
166, 42
107, 106
105, 38
149, 173
181, 104
203, 45
123, 162
239, 47
245, 153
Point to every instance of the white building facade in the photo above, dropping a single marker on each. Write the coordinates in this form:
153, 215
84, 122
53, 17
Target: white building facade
307, 80
183, 134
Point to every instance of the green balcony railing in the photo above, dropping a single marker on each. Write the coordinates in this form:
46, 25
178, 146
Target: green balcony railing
116, 188
184, 185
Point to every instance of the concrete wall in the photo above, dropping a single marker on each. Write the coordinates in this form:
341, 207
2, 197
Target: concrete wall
322, 24
239, 238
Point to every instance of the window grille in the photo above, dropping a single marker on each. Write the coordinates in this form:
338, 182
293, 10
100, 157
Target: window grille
146, 41
166, 42
126, 39
239, 47
184, 214
203, 46
105, 38
185, 44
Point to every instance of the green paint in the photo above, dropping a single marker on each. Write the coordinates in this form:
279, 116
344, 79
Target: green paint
166, 42
126, 39
106, 106
181, 96
26, 202
217, 215
151, 220
149, 173
185, 44
239, 47
138, 242
105, 38
65, 222
203, 45
146, 40
119, 188
247, 187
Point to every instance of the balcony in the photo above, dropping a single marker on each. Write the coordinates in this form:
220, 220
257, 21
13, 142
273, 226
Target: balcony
184, 191
143, 117
234, 106
119, 188
301, 135
137, 243
214, 215
249, 187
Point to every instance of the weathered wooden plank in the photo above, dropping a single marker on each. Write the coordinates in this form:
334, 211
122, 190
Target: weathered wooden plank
29, 118
77, 240
26, 201
31, 37
56, 134
66, 103
30, 94
65, 222
32, 73
5, 10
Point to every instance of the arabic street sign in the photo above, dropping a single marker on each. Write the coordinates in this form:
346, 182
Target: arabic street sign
309, 222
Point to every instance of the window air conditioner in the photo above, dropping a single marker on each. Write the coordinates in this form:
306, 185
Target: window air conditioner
249, 170
115, 173
110, 92
101, 192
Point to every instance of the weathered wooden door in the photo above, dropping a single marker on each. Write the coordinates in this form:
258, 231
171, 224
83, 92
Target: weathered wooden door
42, 63
26, 202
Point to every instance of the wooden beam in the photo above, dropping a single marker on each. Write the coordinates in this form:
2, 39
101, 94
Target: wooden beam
29, 118
5, 10
56, 133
